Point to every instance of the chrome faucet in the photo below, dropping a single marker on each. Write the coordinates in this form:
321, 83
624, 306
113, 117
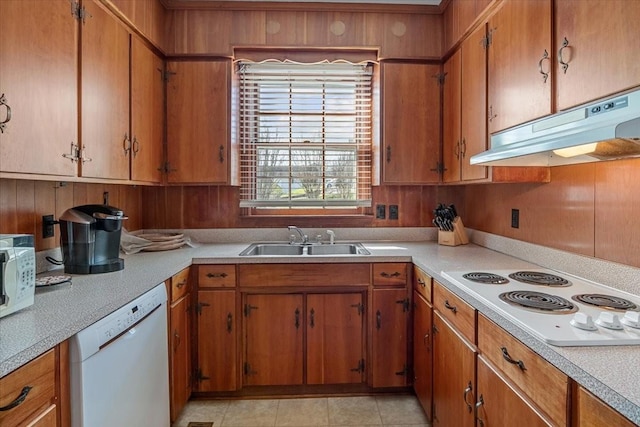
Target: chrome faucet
303, 237
332, 236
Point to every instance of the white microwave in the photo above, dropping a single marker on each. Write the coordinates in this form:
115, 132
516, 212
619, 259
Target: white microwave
17, 272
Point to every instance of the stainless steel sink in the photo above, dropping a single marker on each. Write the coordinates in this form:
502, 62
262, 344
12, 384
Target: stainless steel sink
284, 249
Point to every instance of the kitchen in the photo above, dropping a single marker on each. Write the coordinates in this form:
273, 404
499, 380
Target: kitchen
586, 209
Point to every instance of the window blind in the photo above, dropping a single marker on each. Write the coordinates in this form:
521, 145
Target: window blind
305, 134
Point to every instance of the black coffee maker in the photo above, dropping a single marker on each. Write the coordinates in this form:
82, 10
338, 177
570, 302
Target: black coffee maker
90, 237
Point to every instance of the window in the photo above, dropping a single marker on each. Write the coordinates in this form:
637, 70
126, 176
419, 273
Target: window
305, 134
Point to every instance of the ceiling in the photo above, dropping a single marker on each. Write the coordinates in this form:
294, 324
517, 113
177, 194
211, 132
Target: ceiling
398, 2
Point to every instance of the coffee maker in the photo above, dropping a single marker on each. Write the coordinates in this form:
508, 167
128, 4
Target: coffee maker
90, 237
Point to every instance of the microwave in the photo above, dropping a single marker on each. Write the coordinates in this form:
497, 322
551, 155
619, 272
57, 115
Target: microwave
17, 272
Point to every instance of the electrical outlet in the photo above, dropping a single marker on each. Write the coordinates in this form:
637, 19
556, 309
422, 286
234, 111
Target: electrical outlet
515, 218
381, 211
47, 226
393, 211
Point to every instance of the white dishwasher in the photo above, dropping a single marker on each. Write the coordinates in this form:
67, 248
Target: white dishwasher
120, 369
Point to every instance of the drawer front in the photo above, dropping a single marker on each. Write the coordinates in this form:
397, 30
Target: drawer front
40, 375
422, 283
536, 377
303, 275
455, 310
390, 274
217, 276
179, 285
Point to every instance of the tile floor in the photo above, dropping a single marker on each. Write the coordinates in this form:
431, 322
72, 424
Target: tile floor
397, 411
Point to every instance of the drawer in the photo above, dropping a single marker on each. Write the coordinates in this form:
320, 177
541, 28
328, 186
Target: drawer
303, 275
40, 375
455, 310
422, 283
217, 276
537, 378
390, 274
179, 285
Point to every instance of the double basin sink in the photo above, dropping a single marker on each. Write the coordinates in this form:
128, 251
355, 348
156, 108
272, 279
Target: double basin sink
286, 249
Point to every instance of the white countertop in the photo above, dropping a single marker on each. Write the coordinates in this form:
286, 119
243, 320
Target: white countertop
610, 373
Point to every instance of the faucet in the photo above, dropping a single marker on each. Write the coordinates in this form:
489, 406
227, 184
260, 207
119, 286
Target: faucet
303, 237
332, 236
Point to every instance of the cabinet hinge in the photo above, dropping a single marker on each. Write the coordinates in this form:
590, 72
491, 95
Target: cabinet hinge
166, 75
360, 307
441, 78
404, 372
247, 369
166, 168
490, 36
439, 168
406, 304
200, 376
360, 368
248, 308
79, 12
200, 305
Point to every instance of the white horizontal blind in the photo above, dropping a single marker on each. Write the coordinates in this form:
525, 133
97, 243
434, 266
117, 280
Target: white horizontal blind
305, 134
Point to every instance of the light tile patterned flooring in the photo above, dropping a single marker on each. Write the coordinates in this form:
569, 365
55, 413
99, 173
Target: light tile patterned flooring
397, 411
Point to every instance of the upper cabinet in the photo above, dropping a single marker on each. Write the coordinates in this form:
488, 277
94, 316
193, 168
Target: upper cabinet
410, 123
147, 113
595, 44
38, 87
104, 89
520, 62
464, 109
198, 100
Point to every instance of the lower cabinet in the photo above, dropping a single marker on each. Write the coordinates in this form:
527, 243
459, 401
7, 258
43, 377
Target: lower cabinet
179, 342
500, 403
391, 316
589, 411
422, 352
454, 360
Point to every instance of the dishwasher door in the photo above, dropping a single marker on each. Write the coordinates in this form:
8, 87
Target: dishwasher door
120, 368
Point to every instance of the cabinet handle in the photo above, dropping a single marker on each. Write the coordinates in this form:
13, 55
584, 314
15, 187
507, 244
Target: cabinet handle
478, 405
229, 322
221, 153
388, 153
458, 149
565, 65
545, 76
507, 357
135, 145
450, 307
464, 396
312, 318
422, 283
426, 342
216, 275
297, 318
464, 148
126, 144
7, 118
389, 275
378, 319
23, 395
181, 284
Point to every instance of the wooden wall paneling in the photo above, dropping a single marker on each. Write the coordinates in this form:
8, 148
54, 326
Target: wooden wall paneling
174, 207
152, 200
64, 200
342, 29
285, 28
412, 36
25, 207
248, 28
617, 209
200, 32
8, 211
147, 16
45, 204
225, 199
449, 25
198, 199
130, 201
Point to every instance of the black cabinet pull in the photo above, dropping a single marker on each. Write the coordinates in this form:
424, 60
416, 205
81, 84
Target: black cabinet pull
378, 319
297, 318
312, 318
390, 275
23, 395
216, 275
507, 357
229, 322
450, 307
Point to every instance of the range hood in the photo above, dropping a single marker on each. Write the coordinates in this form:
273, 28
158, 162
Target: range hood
604, 130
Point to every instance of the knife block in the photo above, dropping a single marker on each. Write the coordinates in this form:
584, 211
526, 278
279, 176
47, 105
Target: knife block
456, 237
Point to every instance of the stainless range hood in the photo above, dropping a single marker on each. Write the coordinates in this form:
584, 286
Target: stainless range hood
604, 130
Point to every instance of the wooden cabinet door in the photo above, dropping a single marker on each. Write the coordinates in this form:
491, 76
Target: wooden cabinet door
104, 88
422, 352
198, 122
473, 102
390, 328
273, 339
217, 354
335, 344
501, 404
589, 411
38, 81
600, 54
179, 355
520, 34
451, 118
147, 113
410, 123
453, 376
